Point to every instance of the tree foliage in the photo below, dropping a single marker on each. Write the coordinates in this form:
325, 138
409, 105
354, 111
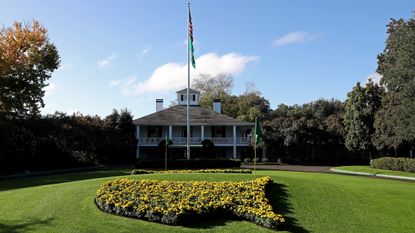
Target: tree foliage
213, 87
245, 107
61, 141
360, 107
395, 120
27, 60
310, 131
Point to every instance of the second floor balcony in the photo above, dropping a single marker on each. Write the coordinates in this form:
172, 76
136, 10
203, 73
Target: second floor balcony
195, 140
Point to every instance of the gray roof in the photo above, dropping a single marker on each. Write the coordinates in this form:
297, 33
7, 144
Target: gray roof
176, 115
190, 91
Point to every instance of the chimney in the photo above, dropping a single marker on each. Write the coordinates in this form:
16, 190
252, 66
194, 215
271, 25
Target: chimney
216, 105
159, 105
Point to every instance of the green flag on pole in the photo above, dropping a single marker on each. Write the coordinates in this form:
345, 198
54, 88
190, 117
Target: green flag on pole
167, 138
191, 48
258, 131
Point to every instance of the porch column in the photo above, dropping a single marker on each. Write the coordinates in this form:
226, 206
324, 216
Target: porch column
170, 132
202, 133
137, 154
234, 141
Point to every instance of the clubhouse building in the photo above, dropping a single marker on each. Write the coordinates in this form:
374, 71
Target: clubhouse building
212, 134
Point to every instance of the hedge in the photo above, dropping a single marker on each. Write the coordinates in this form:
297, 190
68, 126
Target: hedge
396, 164
188, 164
143, 171
181, 202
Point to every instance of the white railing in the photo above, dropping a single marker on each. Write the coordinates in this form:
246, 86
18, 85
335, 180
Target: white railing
222, 140
183, 140
194, 140
150, 140
242, 140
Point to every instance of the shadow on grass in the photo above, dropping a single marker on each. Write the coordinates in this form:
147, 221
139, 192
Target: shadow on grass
28, 225
208, 222
25, 182
278, 197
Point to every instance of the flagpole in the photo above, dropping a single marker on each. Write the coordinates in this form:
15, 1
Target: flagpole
165, 158
255, 159
166, 142
188, 86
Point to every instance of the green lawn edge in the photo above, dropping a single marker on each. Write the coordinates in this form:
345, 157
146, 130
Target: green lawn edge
374, 171
311, 202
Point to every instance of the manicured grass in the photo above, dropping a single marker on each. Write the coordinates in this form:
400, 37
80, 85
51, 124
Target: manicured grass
370, 170
311, 202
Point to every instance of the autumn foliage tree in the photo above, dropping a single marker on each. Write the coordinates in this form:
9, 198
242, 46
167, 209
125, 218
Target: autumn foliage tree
27, 60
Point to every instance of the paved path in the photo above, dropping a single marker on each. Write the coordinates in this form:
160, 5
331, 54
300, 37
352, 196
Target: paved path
327, 169
298, 168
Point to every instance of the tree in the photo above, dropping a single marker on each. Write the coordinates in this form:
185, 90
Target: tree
213, 87
360, 108
112, 120
395, 120
125, 124
251, 105
27, 61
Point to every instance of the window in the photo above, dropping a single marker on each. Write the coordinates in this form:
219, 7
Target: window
154, 131
221, 132
194, 97
184, 131
181, 97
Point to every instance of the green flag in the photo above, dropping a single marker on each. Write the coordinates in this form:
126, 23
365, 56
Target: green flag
191, 48
167, 139
258, 131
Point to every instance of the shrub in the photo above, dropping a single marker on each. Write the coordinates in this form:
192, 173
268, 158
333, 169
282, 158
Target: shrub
396, 164
176, 202
188, 164
247, 160
142, 171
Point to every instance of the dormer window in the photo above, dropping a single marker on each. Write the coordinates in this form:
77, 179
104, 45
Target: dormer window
193, 97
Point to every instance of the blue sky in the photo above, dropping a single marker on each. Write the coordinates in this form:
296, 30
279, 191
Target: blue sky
117, 54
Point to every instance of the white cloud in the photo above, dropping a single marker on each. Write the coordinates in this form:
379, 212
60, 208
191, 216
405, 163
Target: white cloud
145, 51
375, 77
106, 61
298, 37
50, 89
115, 83
126, 85
172, 76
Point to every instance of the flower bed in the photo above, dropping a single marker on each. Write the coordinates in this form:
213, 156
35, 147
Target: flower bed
177, 202
143, 171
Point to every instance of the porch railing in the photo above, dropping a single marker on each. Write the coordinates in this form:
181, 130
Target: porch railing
194, 140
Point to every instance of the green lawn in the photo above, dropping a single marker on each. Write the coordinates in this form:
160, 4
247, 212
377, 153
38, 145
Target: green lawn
370, 170
311, 202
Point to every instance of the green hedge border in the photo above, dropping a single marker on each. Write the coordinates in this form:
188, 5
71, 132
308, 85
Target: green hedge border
144, 171
188, 164
394, 164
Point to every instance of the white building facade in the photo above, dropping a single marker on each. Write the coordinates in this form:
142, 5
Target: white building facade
228, 136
